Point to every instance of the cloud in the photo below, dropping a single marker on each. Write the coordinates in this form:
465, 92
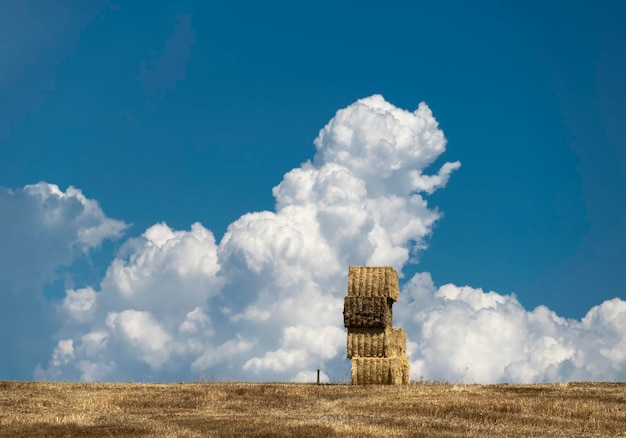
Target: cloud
45, 227
465, 334
386, 147
42, 228
265, 303
79, 304
148, 314
143, 333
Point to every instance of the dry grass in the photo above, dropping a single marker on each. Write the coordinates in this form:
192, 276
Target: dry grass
300, 410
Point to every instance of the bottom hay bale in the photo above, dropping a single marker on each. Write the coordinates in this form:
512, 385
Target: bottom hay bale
380, 371
376, 342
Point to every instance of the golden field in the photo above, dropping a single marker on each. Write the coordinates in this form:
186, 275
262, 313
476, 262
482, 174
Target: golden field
44, 409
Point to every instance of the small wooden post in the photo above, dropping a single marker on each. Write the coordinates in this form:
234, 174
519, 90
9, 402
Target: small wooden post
318, 376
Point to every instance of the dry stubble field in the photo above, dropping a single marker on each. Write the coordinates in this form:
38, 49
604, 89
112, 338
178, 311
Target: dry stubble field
42, 409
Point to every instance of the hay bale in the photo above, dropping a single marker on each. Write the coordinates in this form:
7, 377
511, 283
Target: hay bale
380, 371
395, 343
373, 281
366, 342
376, 342
367, 312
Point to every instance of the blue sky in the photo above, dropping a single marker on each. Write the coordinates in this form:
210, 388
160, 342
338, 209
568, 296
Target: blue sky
184, 112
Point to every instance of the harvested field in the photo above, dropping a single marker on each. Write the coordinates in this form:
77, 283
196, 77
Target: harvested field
42, 409
367, 312
373, 281
376, 342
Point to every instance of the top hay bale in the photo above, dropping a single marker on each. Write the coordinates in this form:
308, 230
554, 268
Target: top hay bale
373, 281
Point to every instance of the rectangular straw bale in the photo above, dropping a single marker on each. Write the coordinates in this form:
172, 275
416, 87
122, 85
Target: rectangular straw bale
366, 342
373, 281
395, 342
380, 371
376, 342
400, 371
367, 312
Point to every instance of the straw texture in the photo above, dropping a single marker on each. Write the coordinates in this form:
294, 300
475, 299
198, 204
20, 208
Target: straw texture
377, 350
380, 371
367, 312
376, 342
373, 281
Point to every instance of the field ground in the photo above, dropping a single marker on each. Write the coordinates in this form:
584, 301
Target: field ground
43, 409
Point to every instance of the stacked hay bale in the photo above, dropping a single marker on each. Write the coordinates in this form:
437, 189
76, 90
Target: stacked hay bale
377, 350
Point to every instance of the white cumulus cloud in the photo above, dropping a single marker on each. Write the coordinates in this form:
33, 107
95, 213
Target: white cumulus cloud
466, 334
265, 302
149, 313
42, 228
